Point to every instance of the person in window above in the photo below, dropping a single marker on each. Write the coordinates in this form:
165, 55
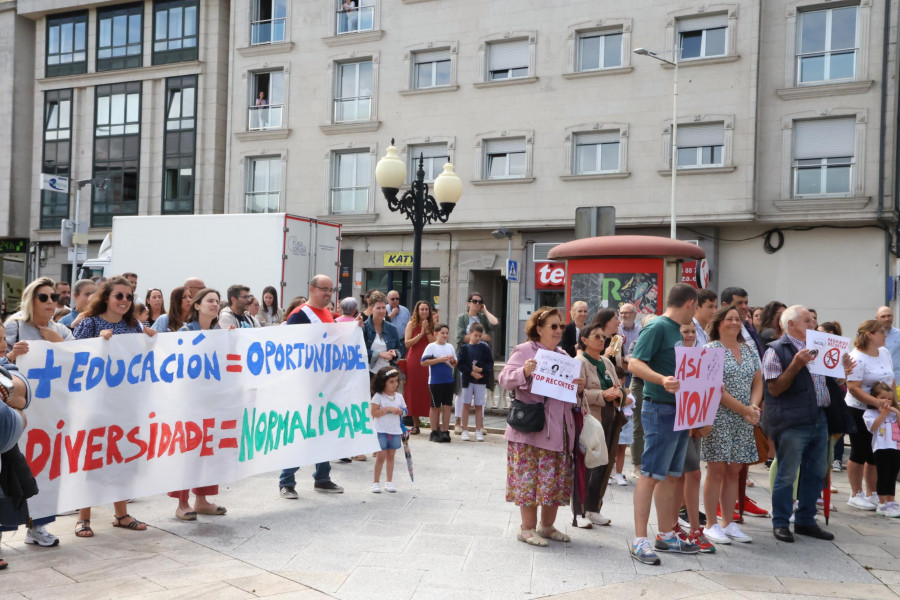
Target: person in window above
235, 314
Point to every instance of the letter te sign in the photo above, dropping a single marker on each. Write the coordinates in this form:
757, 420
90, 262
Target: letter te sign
549, 275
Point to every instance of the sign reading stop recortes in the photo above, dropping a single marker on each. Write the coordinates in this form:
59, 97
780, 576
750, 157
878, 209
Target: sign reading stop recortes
700, 372
549, 275
830, 351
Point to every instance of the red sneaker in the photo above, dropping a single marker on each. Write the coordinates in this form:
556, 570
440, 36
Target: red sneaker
751, 508
706, 547
737, 518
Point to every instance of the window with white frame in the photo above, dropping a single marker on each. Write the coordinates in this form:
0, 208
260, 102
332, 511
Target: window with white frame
827, 45
702, 37
507, 60
432, 69
355, 15
599, 50
434, 156
823, 156
596, 153
264, 179
353, 93
268, 21
701, 145
351, 173
505, 159
267, 101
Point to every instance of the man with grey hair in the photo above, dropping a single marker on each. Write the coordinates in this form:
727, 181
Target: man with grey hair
398, 314
629, 328
885, 316
795, 402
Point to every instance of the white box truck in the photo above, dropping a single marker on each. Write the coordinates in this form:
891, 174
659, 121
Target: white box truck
255, 250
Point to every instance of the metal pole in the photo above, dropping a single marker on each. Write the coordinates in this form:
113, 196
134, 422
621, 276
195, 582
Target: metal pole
415, 289
674, 145
508, 298
75, 237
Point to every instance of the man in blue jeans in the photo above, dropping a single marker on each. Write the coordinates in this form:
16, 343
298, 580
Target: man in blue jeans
314, 311
653, 360
794, 417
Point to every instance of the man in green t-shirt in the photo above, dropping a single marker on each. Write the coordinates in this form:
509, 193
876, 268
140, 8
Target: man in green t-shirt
653, 360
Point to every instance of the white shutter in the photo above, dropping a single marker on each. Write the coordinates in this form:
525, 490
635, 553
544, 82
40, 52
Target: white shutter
504, 146
429, 151
604, 137
700, 23
507, 55
824, 138
432, 56
706, 134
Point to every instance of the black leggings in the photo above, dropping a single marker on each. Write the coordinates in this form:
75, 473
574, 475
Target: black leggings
888, 464
861, 441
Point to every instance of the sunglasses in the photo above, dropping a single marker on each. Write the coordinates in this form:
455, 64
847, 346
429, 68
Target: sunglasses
121, 296
45, 297
554, 326
477, 301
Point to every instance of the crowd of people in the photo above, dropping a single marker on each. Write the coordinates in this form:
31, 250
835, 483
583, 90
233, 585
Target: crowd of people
773, 410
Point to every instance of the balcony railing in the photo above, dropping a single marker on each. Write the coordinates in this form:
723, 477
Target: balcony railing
270, 31
352, 109
262, 202
356, 20
264, 117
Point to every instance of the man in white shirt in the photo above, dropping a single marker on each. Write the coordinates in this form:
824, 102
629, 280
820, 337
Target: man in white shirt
706, 310
886, 317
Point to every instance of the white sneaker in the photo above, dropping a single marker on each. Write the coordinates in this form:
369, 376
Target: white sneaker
873, 499
620, 479
889, 509
389, 486
716, 534
479, 436
40, 536
597, 519
735, 533
465, 435
376, 488
861, 502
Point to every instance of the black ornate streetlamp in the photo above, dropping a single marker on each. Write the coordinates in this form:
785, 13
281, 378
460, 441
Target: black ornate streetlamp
417, 204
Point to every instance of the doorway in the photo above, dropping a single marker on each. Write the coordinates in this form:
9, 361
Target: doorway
492, 286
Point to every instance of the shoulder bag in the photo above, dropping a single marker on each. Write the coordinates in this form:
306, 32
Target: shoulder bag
527, 418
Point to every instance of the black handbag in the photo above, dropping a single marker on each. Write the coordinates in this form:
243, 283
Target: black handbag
527, 418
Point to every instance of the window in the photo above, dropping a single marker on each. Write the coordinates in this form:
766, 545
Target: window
117, 135
119, 37
264, 180
57, 154
351, 172
268, 21
179, 140
353, 97
827, 42
175, 31
701, 145
67, 44
432, 69
598, 50
267, 102
504, 159
434, 158
823, 156
507, 60
596, 153
355, 15
702, 37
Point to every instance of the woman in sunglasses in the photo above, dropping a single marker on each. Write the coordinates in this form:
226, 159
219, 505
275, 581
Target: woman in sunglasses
33, 322
110, 313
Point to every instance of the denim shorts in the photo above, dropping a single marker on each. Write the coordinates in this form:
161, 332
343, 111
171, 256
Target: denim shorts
664, 448
389, 441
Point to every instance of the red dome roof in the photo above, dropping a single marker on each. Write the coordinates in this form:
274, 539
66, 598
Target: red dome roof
627, 245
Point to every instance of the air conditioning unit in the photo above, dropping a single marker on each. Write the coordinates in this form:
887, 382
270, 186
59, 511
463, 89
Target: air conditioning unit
540, 251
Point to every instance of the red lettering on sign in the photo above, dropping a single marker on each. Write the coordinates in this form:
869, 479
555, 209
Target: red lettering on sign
549, 276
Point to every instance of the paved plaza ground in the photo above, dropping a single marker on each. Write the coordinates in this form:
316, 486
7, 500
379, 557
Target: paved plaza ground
448, 535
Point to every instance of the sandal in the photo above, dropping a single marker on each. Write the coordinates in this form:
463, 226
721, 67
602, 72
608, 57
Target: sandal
83, 529
218, 510
553, 534
532, 538
186, 516
414, 431
135, 525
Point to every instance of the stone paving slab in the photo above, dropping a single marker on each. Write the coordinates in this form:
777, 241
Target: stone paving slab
448, 535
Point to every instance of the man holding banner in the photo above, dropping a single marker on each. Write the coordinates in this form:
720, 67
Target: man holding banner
653, 360
794, 414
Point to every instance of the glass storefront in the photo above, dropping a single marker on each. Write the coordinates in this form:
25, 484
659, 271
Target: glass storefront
385, 280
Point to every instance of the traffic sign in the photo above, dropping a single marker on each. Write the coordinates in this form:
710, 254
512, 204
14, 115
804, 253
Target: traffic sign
512, 270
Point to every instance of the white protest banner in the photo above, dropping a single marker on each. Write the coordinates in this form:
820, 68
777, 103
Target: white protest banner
135, 416
700, 372
829, 350
554, 374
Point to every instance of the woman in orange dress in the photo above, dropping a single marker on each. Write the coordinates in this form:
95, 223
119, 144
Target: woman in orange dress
419, 333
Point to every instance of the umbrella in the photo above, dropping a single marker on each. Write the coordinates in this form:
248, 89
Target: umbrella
826, 496
579, 481
406, 452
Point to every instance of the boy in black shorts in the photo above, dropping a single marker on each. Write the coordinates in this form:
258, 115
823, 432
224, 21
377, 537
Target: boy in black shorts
440, 359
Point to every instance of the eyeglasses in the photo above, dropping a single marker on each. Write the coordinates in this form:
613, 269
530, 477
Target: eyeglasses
327, 290
45, 297
477, 301
392, 299
554, 326
121, 296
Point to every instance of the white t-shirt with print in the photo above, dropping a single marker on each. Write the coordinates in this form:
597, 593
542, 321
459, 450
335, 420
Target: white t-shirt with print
887, 436
869, 370
388, 423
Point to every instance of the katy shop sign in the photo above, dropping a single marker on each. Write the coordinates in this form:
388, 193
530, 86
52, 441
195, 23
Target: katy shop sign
398, 259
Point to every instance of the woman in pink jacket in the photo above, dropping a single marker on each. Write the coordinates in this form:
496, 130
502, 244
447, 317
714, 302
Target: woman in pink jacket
539, 470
